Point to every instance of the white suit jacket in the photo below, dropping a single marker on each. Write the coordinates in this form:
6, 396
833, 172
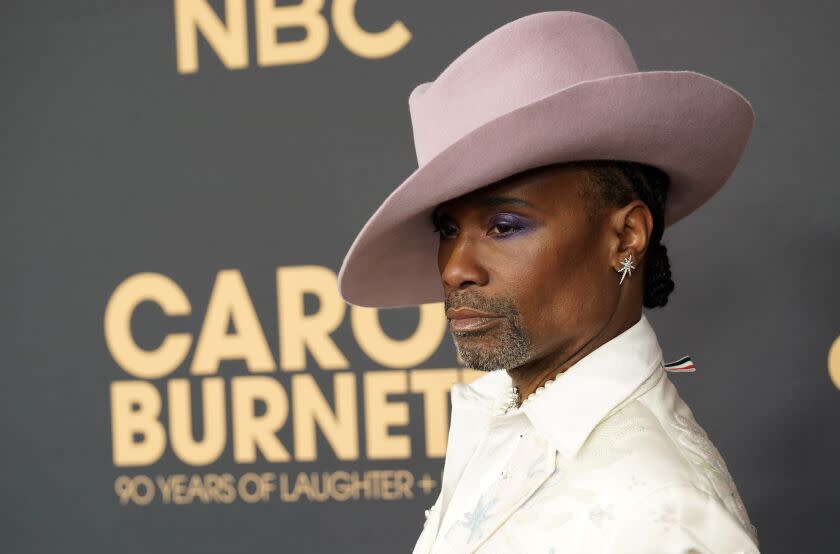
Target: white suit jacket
616, 463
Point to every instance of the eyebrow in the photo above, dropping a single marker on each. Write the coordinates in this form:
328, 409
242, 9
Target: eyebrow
491, 202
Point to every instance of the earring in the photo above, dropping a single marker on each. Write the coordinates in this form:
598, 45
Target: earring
626, 266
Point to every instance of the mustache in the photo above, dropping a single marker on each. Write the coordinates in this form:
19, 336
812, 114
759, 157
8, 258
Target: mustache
502, 306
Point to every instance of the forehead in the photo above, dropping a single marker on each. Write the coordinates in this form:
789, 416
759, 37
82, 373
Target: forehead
543, 186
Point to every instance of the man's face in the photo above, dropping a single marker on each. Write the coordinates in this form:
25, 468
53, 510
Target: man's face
526, 253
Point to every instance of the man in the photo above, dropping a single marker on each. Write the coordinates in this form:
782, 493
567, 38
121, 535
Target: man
549, 168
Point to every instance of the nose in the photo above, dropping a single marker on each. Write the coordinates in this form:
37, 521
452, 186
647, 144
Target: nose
459, 265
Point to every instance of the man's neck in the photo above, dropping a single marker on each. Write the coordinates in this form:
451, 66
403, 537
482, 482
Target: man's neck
534, 374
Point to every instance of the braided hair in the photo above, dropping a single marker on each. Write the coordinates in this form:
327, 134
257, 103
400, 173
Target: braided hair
615, 184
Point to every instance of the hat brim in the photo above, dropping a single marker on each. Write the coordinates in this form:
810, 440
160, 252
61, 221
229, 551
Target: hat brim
687, 124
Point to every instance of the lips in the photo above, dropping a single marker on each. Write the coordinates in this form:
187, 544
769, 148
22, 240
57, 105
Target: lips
464, 312
468, 319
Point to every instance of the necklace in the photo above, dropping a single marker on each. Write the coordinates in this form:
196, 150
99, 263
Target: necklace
514, 402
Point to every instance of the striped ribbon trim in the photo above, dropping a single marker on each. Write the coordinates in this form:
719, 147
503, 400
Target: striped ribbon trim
683, 365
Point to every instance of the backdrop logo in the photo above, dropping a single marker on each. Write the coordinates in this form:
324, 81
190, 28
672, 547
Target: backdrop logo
834, 362
227, 34
274, 394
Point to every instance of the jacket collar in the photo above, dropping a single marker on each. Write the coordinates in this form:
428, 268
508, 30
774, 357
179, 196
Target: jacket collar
566, 412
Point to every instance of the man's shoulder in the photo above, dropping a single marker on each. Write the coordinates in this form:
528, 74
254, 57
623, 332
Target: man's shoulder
655, 443
654, 440
636, 448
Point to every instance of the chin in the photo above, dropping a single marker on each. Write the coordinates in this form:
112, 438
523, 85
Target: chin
480, 359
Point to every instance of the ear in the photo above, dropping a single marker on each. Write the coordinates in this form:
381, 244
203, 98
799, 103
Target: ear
631, 226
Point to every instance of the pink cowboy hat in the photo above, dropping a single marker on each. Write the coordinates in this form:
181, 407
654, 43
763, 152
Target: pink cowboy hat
546, 88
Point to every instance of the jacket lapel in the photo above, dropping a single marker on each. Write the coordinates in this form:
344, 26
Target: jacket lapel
470, 414
430, 529
531, 464
472, 406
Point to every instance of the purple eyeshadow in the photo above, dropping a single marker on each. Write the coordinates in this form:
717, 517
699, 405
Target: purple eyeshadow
518, 224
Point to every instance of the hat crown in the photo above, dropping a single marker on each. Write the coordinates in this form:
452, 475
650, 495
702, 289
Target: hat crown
513, 66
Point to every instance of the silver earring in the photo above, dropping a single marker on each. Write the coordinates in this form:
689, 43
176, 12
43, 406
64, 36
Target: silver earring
626, 266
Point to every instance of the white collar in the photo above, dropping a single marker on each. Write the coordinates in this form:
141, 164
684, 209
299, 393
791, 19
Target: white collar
582, 396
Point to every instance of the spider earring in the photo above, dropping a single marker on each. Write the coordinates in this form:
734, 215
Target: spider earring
626, 267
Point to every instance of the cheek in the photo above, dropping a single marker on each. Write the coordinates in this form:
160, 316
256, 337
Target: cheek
518, 272
565, 287
542, 281
556, 279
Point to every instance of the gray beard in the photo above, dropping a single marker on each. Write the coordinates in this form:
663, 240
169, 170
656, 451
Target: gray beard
511, 349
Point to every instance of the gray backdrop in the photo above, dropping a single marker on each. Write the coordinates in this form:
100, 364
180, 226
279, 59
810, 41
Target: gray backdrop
116, 163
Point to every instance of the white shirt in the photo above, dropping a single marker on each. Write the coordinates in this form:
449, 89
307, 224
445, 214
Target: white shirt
608, 458
487, 462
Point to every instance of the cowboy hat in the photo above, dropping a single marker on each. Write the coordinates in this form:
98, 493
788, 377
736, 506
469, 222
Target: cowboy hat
546, 88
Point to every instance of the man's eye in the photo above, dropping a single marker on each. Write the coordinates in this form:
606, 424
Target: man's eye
448, 230
503, 229
445, 230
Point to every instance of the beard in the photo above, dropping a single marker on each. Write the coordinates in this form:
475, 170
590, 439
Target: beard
504, 346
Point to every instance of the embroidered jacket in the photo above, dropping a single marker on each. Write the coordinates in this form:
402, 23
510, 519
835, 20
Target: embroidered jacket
609, 459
